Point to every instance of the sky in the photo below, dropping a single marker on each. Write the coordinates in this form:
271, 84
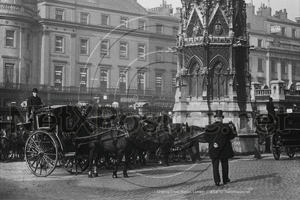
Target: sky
292, 6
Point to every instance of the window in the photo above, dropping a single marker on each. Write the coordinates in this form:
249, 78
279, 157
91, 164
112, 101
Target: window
158, 84
59, 14
84, 46
175, 30
83, 79
105, 20
293, 33
260, 65
104, 51
28, 41
159, 54
142, 52
142, 25
159, 28
284, 67
10, 38
174, 58
123, 49
273, 66
124, 22
294, 69
259, 43
27, 72
84, 18
59, 44
248, 25
140, 80
103, 78
282, 30
58, 78
122, 81
174, 83
9, 72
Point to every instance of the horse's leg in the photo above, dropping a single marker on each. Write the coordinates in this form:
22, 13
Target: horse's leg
128, 153
97, 157
92, 150
116, 164
166, 152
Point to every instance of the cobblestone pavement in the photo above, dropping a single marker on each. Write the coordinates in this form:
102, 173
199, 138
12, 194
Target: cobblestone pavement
250, 179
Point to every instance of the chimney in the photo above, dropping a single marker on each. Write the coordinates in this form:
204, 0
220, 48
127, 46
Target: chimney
264, 11
281, 14
298, 19
250, 8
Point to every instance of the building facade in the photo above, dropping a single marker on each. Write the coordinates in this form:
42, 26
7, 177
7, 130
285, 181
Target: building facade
274, 57
88, 50
275, 42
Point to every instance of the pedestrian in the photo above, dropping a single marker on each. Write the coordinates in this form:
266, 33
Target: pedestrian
33, 104
271, 108
218, 135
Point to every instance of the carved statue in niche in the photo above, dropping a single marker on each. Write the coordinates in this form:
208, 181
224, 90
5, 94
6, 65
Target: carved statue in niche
218, 29
196, 31
194, 75
218, 80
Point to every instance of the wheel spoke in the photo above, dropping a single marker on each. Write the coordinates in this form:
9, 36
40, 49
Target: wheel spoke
48, 160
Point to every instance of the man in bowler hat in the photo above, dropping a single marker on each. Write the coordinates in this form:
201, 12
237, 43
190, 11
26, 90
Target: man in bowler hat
33, 103
218, 135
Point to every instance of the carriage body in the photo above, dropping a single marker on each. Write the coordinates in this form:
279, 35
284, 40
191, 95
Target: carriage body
287, 135
53, 141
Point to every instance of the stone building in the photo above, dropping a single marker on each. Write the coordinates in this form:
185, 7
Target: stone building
274, 57
102, 50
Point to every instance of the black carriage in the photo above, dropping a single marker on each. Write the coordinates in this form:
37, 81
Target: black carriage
53, 142
287, 135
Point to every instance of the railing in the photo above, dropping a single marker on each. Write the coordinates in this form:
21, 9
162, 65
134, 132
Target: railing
262, 92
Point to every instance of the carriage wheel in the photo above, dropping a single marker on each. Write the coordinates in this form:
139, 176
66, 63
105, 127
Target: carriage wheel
41, 153
75, 164
290, 152
276, 146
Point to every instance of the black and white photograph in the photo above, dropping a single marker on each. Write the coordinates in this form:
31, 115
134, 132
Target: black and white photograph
149, 99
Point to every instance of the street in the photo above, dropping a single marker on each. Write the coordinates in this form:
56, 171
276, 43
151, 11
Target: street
251, 178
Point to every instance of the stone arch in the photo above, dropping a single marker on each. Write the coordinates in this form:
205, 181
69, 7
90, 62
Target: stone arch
218, 77
195, 81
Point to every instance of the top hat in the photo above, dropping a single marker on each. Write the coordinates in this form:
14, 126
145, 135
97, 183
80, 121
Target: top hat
35, 90
219, 113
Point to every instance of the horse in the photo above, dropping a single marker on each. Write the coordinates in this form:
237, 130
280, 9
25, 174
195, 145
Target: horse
6, 139
188, 140
265, 126
117, 141
156, 136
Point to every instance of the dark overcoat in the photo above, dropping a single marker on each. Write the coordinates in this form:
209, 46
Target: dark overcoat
33, 102
221, 134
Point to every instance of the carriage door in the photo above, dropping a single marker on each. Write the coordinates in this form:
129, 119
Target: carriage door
58, 78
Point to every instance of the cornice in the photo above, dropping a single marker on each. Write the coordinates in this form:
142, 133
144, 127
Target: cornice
99, 9
19, 18
283, 22
105, 29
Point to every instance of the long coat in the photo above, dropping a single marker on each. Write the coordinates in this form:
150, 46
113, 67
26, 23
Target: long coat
33, 103
221, 134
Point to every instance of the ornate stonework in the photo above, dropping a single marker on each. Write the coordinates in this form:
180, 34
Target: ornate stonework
214, 51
